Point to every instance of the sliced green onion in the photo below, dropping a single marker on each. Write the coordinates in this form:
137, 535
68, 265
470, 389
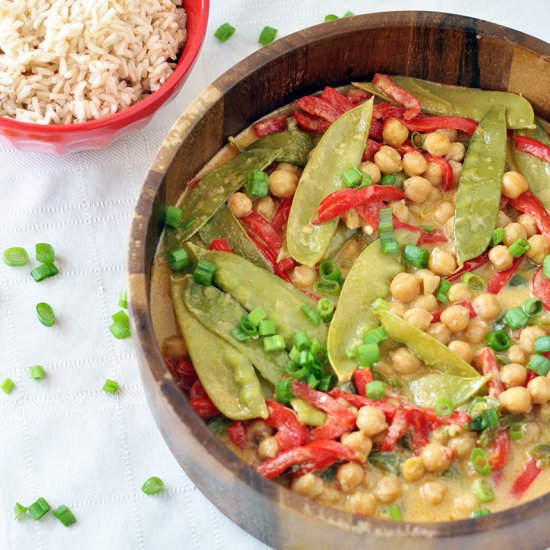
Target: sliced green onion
497, 236
283, 391
519, 247
173, 217
417, 140
443, 291
15, 256
329, 271
64, 515
395, 513
516, 318
256, 315
257, 183
7, 385
375, 390
375, 336
385, 222
323, 286
473, 281
325, 308
44, 253
444, 407
110, 386
121, 316
274, 343
123, 299
480, 462
539, 364
120, 330
45, 314
483, 491
498, 340
224, 32
367, 180
312, 316
267, 35
380, 305
331, 17
516, 430
387, 179
532, 307
240, 335
542, 344
38, 509
367, 354
390, 247
480, 512
36, 372
267, 327
247, 326
352, 177
416, 256
327, 382
43, 271
204, 272
301, 340
348, 14
153, 486
546, 266
19, 511
178, 259
428, 228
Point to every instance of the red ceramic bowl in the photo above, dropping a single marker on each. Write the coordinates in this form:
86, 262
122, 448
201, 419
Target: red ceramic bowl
96, 134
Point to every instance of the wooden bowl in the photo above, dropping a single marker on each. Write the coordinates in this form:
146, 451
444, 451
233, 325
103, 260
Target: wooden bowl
434, 46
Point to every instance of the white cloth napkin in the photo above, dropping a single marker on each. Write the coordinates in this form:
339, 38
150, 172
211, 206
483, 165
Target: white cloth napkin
62, 437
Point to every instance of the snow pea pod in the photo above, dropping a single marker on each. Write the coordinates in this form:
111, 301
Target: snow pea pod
253, 286
340, 148
536, 171
227, 375
223, 224
203, 200
219, 313
480, 185
427, 348
368, 279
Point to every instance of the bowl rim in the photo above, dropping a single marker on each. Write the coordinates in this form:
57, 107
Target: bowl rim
152, 361
130, 114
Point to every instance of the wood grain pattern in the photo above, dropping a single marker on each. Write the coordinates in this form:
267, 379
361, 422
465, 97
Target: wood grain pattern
439, 47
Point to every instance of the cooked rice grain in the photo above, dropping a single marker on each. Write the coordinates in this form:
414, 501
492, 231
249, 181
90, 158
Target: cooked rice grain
67, 61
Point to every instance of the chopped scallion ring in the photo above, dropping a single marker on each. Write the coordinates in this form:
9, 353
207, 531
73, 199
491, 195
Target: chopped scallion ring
122, 299
395, 513
539, 364
38, 509
367, 354
110, 386
302, 341
331, 17
15, 256
516, 318
352, 177
121, 316
240, 335
497, 236
519, 247
443, 291
267, 327
256, 315
443, 407
283, 391
330, 271
274, 343
380, 305
313, 317
325, 308
7, 385
248, 327
375, 336
416, 256
43, 271
204, 272
532, 307
473, 281
44, 253
267, 35
483, 491
480, 462
225, 32
257, 183
480, 512
516, 430
178, 259
153, 486
326, 287
120, 330
542, 344
375, 390
173, 217
385, 222
45, 314
19, 511
417, 140
348, 14
498, 340
36, 372
64, 515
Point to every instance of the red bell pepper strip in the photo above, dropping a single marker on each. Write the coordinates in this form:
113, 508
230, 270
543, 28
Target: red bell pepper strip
356, 95
446, 169
500, 450
432, 123
361, 377
183, 371
238, 434
385, 110
375, 129
339, 202
318, 107
468, 266
221, 245
371, 149
314, 456
401, 96
398, 428
529, 204
280, 218
529, 473
532, 147
370, 212
420, 435
270, 126
425, 237
337, 100
359, 401
489, 366
286, 264
290, 433
257, 223
531, 374
500, 278
331, 429
540, 287
204, 407
270, 257
197, 390
310, 123
436, 315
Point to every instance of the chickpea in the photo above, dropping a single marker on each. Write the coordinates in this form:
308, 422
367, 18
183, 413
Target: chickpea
405, 287
268, 447
352, 219
413, 469
362, 503
465, 504
437, 144
397, 308
388, 489
239, 204
513, 184
429, 303
434, 173
502, 219
266, 207
435, 457
174, 348
330, 496
395, 133
359, 442
430, 282
433, 492
404, 362
513, 232
283, 183
418, 317
417, 189
441, 262
287, 166
303, 276
516, 400
462, 349
449, 228
451, 134
388, 160
258, 430
443, 212
517, 355
440, 332
457, 170
539, 388
486, 306
459, 292
349, 475
528, 336
456, 318
308, 485
477, 331
462, 444
372, 170
528, 224
500, 257
456, 152
513, 374
400, 210
436, 195
414, 163
539, 248
371, 421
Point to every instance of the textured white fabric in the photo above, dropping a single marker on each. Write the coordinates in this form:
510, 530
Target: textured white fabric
63, 438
